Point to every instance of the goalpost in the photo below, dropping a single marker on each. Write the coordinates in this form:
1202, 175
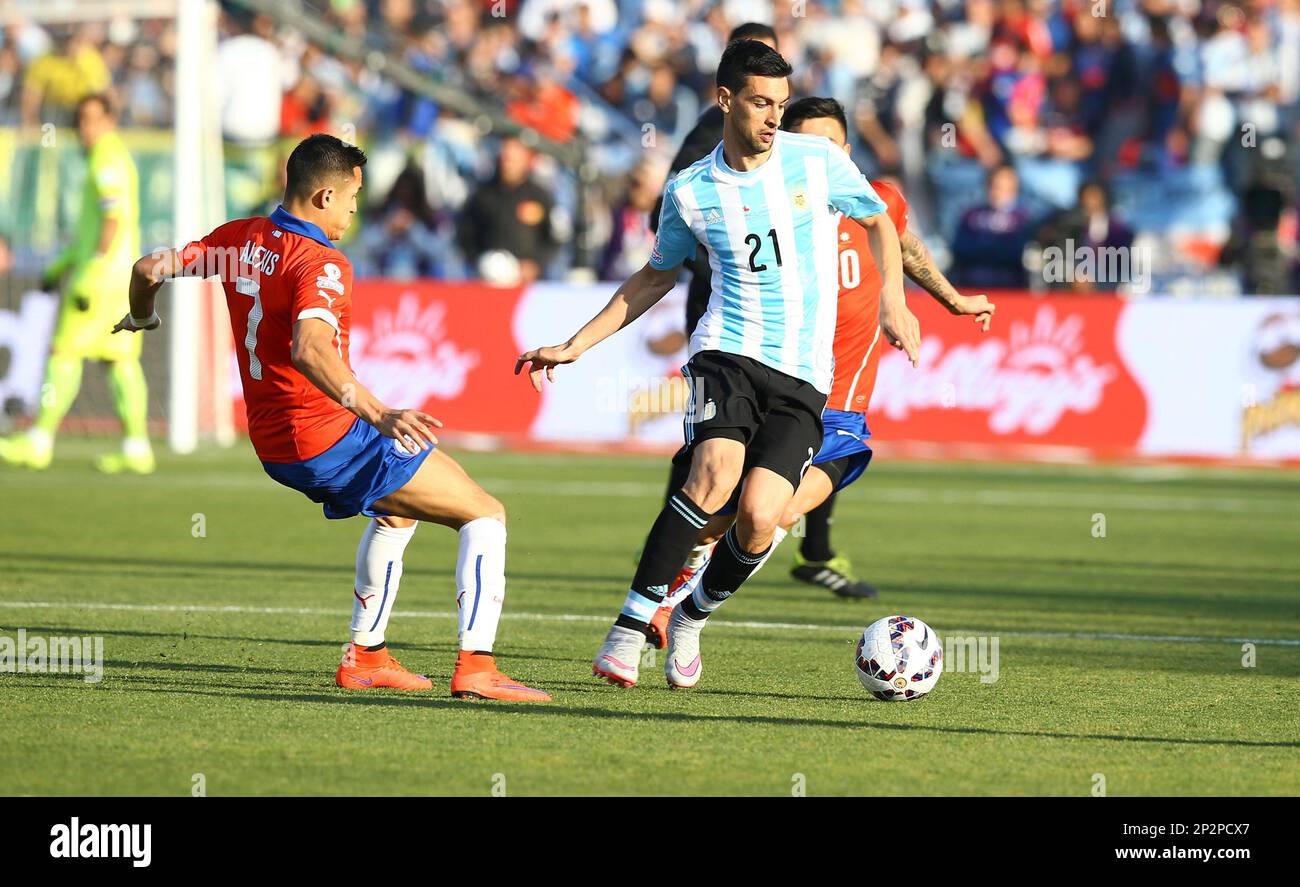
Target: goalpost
199, 358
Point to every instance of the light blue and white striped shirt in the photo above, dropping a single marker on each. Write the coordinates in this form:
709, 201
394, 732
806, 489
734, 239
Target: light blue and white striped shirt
771, 238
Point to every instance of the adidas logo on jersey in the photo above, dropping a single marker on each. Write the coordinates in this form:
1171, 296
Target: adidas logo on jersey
713, 217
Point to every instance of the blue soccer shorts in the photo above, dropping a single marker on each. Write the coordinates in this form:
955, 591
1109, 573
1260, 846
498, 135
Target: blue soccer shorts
352, 475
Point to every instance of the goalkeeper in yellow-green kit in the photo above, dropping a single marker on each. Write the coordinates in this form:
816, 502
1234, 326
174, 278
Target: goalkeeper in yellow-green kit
95, 271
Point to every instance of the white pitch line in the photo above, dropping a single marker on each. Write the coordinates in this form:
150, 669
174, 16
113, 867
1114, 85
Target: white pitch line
587, 617
879, 492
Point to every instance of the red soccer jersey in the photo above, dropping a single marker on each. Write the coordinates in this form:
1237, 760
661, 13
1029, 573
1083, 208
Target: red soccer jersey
857, 323
277, 271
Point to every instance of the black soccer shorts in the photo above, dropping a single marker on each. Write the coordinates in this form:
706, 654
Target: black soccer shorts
776, 416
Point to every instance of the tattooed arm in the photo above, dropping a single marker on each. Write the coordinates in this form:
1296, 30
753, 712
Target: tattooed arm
919, 265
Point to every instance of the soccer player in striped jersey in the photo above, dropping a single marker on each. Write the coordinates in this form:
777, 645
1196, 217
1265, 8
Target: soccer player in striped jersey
318, 430
845, 453
764, 204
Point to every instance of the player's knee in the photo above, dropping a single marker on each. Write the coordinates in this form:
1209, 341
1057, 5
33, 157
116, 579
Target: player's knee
756, 525
710, 494
489, 506
711, 483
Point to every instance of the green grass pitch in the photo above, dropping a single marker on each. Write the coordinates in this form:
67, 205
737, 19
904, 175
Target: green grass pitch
1120, 657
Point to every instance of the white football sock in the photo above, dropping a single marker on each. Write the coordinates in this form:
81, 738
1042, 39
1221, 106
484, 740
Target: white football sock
703, 601
480, 582
379, 570
779, 535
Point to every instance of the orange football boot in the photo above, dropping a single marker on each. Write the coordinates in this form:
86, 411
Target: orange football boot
658, 633
366, 670
476, 677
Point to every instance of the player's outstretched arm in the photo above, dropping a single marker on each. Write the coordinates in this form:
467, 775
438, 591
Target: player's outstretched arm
147, 275
897, 322
920, 266
634, 298
316, 357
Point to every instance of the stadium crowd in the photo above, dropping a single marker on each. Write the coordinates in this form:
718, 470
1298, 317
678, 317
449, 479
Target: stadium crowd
1170, 125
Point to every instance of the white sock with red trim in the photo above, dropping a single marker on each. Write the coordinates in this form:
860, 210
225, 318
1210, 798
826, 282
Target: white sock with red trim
379, 570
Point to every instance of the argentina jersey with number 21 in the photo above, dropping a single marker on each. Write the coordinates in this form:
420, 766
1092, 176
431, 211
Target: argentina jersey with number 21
770, 234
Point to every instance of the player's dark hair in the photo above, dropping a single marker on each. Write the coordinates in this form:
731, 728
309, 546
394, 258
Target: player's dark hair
99, 98
749, 58
320, 160
753, 31
811, 108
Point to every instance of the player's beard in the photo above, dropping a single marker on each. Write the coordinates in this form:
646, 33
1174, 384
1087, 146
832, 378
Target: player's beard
755, 145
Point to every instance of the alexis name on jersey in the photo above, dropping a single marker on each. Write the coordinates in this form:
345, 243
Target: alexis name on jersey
259, 258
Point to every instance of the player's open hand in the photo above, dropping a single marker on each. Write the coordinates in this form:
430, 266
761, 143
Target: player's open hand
978, 307
541, 360
901, 329
411, 427
129, 325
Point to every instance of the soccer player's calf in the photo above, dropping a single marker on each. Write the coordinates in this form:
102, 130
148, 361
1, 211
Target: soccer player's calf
442, 493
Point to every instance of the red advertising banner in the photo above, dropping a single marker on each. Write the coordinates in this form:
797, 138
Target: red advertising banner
1047, 372
1096, 376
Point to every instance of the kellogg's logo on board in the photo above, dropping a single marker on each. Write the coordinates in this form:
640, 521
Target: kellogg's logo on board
1045, 373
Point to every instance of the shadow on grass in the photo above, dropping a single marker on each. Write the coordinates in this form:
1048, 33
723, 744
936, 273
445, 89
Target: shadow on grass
398, 699
437, 648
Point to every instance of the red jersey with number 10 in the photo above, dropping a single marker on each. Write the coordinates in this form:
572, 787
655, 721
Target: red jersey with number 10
277, 271
857, 320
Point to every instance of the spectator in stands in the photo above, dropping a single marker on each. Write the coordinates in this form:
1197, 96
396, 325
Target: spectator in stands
144, 101
876, 115
630, 238
507, 221
593, 53
305, 109
57, 81
539, 101
250, 76
990, 243
403, 241
1091, 226
664, 107
1257, 244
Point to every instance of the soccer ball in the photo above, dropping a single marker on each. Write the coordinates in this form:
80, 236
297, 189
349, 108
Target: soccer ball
899, 657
